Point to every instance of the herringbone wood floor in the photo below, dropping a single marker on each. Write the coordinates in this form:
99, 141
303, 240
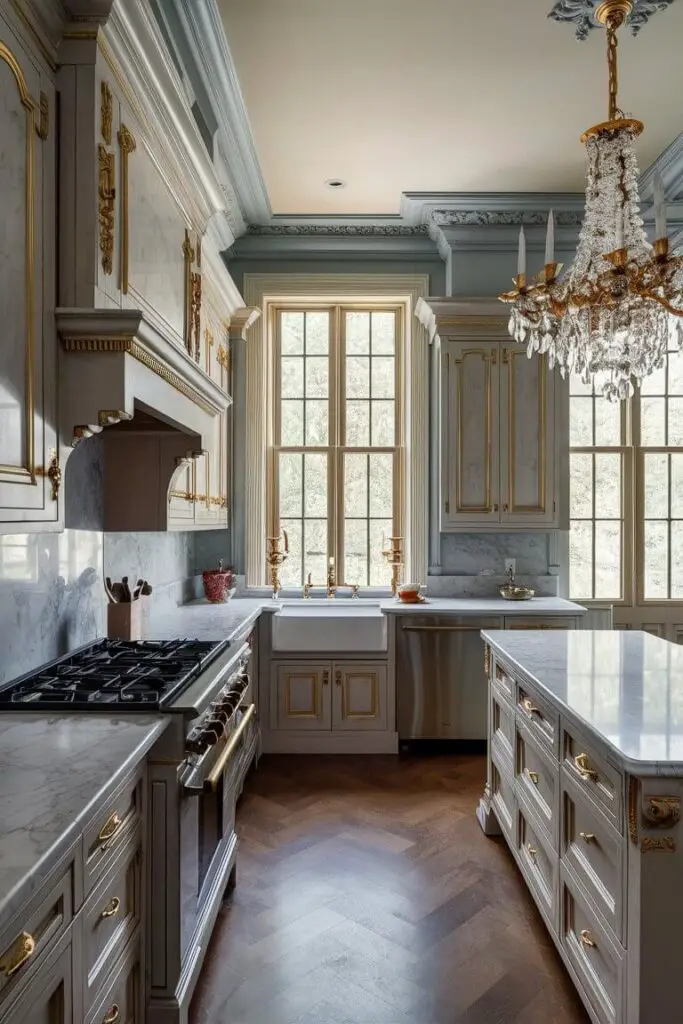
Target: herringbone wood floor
366, 892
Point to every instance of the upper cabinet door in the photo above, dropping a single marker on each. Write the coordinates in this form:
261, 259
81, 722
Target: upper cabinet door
28, 437
527, 439
470, 434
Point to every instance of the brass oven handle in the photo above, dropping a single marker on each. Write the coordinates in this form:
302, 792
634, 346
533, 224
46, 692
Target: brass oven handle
587, 939
21, 950
112, 908
533, 776
213, 778
530, 707
110, 828
532, 851
111, 1016
581, 765
588, 837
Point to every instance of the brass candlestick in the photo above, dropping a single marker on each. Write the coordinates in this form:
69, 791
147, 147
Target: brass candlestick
394, 556
275, 558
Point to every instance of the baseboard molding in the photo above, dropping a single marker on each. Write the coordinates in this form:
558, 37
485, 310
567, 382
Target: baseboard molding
330, 743
432, 748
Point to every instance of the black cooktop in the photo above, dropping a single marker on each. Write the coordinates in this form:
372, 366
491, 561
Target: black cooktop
126, 674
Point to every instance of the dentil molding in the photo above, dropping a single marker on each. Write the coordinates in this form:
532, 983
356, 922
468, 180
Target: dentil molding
582, 14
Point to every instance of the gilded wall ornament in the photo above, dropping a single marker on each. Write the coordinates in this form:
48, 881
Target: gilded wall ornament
43, 126
127, 145
106, 112
106, 196
665, 843
661, 811
582, 14
196, 314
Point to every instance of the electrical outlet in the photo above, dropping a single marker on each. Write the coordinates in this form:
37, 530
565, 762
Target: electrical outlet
510, 563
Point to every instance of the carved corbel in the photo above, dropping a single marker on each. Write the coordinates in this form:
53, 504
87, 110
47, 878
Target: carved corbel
240, 322
661, 811
105, 418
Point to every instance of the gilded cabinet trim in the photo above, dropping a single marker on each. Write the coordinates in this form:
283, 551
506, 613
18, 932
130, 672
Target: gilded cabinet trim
106, 112
489, 358
27, 469
346, 710
314, 711
106, 197
633, 788
540, 507
43, 126
127, 145
665, 843
193, 295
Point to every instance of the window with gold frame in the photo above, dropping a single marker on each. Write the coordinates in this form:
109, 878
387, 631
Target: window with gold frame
337, 439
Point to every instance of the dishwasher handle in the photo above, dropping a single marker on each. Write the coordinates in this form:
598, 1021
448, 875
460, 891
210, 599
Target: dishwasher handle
442, 629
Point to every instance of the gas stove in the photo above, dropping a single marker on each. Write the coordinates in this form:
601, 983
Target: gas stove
128, 675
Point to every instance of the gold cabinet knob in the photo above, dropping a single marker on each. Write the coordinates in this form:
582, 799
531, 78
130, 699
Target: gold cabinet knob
581, 765
326, 677
110, 828
112, 1015
588, 837
112, 908
530, 707
338, 678
534, 776
21, 950
532, 851
587, 939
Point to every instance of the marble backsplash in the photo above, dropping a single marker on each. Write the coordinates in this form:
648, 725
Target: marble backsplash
51, 596
469, 554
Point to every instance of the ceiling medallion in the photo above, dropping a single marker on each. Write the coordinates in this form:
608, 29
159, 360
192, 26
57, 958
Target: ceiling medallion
583, 14
609, 318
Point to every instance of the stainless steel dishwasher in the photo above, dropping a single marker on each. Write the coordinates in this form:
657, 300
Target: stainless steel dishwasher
441, 684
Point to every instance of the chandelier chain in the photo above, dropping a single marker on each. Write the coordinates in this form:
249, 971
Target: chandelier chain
612, 42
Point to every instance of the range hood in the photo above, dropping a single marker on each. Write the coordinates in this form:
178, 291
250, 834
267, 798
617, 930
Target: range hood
119, 370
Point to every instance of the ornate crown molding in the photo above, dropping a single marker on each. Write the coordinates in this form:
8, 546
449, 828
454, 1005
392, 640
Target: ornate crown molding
582, 14
347, 230
502, 218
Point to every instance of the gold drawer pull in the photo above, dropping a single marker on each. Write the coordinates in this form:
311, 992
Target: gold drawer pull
110, 828
581, 764
21, 950
588, 837
534, 776
111, 1016
587, 939
532, 851
112, 908
530, 707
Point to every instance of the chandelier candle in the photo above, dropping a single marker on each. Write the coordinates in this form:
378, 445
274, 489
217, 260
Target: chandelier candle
608, 319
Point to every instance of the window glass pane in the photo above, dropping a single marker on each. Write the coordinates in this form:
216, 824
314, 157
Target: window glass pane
655, 560
316, 422
577, 386
677, 560
317, 333
383, 333
652, 421
381, 485
380, 570
581, 485
676, 373
383, 377
581, 422
317, 373
292, 430
581, 559
292, 333
677, 485
358, 424
355, 485
655, 382
356, 551
655, 486
357, 377
383, 425
357, 333
608, 559
291, 571
291, 377
291, 484
315, 550
608, 486
607, 422
315, 485
675, 422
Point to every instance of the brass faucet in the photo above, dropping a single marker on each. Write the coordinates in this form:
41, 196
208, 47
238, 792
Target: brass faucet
331, 585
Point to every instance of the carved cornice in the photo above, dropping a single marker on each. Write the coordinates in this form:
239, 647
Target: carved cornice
582, 14
503, 218
347, 230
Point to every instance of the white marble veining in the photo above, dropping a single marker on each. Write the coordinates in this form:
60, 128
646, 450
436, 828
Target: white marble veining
469, 553
625, 686
55, 772
537, 606
486, 585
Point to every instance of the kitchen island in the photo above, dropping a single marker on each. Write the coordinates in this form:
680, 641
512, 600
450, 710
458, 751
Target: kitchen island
585, 781
71, 864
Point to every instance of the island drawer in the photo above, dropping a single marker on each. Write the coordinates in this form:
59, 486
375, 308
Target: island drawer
505, 683
49, 999
595, 957
539, 865
537, 779
503, 796
111, 829
595, 851
26, 943
540, 717
600, 781
110, 916
121, 1001
502, 719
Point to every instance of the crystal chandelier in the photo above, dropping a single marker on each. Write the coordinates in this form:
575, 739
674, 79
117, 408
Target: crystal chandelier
608, 317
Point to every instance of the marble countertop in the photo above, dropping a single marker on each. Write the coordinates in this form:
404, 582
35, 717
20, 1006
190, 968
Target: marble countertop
56, 770
202, 620
625, 686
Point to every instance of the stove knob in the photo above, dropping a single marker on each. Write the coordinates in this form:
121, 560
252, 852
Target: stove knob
213, 732
196, 744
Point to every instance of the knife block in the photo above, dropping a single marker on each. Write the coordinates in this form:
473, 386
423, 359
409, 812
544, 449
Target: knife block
124, 620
